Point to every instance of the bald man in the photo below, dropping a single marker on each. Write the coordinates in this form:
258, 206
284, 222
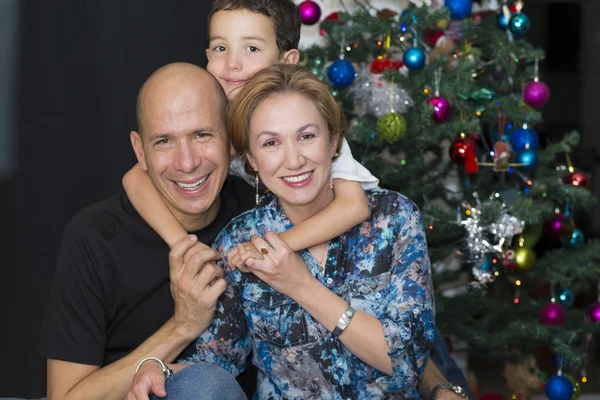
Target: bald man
112, 303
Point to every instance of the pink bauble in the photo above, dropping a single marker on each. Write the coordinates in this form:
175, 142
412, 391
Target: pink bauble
553, 314
536, 94
310, 12
594, 312
442, 110
559, 226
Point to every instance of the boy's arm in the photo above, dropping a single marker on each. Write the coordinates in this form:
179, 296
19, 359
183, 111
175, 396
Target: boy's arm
147, 201
348, 209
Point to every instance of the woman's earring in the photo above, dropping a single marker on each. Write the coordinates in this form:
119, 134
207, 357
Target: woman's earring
256, 182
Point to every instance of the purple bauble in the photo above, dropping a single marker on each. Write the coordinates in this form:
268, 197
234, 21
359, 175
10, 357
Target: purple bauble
594, 312
536, 94
553, 314
442, 110
310, 12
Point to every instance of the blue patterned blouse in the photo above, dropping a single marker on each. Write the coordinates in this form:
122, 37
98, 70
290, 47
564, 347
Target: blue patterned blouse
380, 267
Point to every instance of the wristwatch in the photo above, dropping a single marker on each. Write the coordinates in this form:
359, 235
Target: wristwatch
343, 322
455, 388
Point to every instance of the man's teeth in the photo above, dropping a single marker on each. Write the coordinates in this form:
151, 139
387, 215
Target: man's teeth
191, 186
299, 178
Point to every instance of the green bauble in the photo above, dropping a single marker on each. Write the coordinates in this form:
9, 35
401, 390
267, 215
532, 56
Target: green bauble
576, 388
391, 127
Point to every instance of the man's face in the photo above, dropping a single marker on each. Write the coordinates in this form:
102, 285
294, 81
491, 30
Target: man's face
241, 43
185, 150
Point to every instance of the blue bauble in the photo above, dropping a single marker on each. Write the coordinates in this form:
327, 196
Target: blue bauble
414, 58
519, 24
566, 297
575, 241
559, 387
487, 264
502, 22
459, 9
524, 139
528, 157
341, 74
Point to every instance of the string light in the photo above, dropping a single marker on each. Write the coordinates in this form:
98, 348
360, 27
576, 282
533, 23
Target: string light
518, 283
516, 300
584, 379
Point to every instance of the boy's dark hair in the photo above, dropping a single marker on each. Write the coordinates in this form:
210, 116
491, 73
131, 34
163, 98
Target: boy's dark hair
284, 15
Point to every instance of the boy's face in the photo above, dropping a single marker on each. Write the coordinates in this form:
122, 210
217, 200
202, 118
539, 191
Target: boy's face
241, 43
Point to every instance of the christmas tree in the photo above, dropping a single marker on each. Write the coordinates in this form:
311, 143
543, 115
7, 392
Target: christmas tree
443, 105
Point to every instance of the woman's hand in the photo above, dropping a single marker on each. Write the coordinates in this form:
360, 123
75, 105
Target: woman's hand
281, 268
234, 258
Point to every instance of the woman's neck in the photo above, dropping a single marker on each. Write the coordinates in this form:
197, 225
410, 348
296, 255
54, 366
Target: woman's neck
299, 213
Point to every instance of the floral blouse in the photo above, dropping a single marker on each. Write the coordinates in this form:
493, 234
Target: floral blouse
380, 267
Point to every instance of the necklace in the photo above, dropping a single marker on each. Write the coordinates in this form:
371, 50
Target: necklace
323, 261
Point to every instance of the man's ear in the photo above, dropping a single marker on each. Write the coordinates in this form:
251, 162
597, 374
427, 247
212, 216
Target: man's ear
291, 57
138, 149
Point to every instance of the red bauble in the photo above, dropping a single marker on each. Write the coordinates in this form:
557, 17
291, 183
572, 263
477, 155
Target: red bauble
579, 179
460, 150
508, 259
380, 64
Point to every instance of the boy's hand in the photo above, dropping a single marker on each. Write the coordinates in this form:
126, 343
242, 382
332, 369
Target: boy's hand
234, 256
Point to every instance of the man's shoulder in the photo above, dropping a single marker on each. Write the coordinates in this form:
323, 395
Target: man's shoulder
237, 188
101, 219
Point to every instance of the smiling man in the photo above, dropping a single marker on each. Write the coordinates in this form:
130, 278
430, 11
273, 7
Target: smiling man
115, 301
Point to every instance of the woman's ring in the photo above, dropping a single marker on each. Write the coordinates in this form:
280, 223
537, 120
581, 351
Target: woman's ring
265, 249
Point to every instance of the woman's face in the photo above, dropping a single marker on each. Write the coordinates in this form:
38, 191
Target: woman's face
291, 148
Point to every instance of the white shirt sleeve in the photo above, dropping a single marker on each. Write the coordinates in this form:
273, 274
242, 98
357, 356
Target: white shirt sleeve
347, 168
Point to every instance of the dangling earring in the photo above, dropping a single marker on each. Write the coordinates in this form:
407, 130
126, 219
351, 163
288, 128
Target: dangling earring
256, 183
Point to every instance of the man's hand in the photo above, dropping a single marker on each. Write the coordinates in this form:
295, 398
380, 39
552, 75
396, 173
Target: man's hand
196, 284
147, 381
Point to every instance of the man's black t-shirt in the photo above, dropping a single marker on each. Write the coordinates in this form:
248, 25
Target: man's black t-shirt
111, 288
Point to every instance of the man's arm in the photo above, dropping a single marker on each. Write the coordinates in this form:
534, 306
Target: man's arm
432, 376
68, 380
196, 285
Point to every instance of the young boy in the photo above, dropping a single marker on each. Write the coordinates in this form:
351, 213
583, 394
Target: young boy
245, 37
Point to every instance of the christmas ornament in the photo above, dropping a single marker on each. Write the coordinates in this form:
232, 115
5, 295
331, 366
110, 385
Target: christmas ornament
519, 24
386, 14
480, 97
559, 226
529, 158
594, 312
341, 74
553, 314
502, 21
431, 36
578, 179
524, 258
536, 94
506, 227
576, 388
508, 259
333, 17
504, 136
559, 387
381, 64
391, 127
460, 149
576, 241
310, 12
566, 297
516, 7
524, 139
459, 9
414, 58
442, 110
375, 95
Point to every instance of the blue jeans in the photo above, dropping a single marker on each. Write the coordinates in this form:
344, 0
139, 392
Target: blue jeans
446, 364
203, 381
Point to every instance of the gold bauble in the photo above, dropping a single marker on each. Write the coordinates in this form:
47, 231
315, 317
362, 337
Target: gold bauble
524, 258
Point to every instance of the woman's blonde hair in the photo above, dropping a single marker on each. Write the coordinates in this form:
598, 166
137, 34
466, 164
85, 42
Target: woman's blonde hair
280, 79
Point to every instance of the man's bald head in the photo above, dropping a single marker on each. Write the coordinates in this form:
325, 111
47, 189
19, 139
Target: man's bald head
173, 77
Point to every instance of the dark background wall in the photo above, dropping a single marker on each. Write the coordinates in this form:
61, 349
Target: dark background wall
69, 73
79, 64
